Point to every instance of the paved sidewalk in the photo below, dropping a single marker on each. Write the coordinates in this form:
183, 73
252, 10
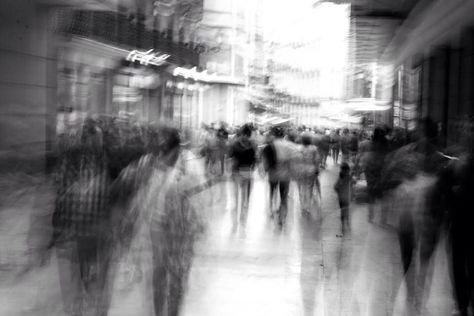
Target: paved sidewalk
246, 268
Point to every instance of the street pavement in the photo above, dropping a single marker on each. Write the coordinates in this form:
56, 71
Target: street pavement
244, 266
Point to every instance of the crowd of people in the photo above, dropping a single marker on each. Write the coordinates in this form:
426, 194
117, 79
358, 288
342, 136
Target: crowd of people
410, 176
122, 186
126, 188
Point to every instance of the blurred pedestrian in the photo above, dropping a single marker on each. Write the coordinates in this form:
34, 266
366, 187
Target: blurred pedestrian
335, 146
222, 136
277, 159
343, 187
243, 152
373, 166
346, 146
324, 147
81, 222
306, 170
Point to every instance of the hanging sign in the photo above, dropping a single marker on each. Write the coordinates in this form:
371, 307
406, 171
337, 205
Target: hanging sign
147, 58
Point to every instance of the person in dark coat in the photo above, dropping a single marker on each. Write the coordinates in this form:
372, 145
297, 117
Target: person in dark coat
343, 187
277, 156
81, 221
323, 148
244, 155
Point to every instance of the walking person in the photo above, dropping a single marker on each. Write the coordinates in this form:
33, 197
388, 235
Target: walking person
307, 170
373, 167
277, 158
343, 189
81, 222
174, 223
335, 146
324, 147
243, 151
222, 139
345, 146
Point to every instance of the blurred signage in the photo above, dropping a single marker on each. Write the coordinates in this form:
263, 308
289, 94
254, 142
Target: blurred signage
126, 94
147, 58
150, 81
204, 76
192, 73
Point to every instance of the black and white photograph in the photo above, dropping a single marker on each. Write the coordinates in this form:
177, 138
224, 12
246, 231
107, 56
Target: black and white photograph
236, 157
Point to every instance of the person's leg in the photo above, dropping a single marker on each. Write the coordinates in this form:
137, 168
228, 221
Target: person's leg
236, 182
273, 186
107, 270
178, 279
459, 270
222, 165
159, 283
284, 190
371, 204
427, 245
94, 258
347, 219
88, 262
343, 208
301, 193
249, 190
406, 237
70, 278
244, 183
309, 193
176, 294
470, 273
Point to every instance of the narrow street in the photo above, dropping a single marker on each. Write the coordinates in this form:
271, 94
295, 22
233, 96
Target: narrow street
254, 268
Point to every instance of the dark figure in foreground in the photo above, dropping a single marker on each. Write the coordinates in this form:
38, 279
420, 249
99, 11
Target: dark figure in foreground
81, 221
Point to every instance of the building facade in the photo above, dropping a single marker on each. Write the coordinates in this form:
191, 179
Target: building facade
431, 55
64, 60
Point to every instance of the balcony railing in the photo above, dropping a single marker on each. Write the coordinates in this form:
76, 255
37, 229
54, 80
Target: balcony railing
118, 30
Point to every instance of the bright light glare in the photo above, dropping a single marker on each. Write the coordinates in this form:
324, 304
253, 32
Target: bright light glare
310, 40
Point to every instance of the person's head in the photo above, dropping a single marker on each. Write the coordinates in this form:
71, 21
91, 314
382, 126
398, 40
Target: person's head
277, 132
246, 130
379, 135
306, 139
92, 136
169, 143
345, 169
292, 136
